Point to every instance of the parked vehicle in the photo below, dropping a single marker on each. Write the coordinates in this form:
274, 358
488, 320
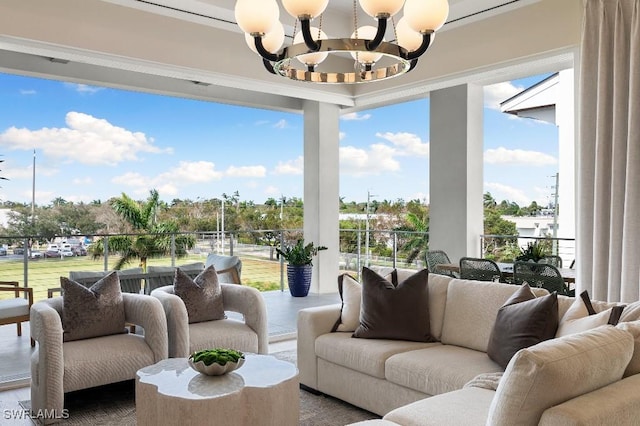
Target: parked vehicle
52, 253
79, 251
36, 254
66, 252
3, 251
18, 250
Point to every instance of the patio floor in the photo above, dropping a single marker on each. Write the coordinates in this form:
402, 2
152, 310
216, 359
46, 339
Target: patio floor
282, 310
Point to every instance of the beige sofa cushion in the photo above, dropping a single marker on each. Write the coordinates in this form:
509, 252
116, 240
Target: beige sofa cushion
633, 328
557, 370
364, 355
471, 310
468, 407
438, 369
438, 286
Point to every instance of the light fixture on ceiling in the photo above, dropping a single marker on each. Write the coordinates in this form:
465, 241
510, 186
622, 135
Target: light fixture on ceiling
375, 58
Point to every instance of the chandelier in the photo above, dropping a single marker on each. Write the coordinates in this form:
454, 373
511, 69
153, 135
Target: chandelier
366, 53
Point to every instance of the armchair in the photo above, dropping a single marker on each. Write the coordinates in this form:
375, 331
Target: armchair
15, 310
58, 367
229, 268
249, 334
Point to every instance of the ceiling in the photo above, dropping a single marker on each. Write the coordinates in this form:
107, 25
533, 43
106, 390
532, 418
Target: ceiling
193, 48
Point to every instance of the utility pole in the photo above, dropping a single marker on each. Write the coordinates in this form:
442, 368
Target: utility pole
33, 191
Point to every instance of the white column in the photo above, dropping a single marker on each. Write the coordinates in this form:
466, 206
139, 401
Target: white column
455, 171
565, 112
321, 191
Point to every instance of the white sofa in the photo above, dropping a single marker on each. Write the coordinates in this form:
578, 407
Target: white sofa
414, 383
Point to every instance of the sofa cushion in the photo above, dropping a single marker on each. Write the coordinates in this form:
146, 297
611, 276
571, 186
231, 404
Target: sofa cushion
350, 291
524, 320
226, 333
468, 407
202, 296
391, 311
351, 294
471, 310
631, 312
581, 316
485, 381
94, 311
438, 369
438, 286
557, 370
632, 327
363, 355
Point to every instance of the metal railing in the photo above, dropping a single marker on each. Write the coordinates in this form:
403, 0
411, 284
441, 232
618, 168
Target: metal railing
261, 266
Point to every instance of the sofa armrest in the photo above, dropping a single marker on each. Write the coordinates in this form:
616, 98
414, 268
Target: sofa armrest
249, 302
616, 404
47, 363
312, 323
147, 312
177, 321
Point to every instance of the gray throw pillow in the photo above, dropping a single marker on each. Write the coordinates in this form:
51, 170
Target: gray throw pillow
92, 312
202, 296
397, 312
524, 320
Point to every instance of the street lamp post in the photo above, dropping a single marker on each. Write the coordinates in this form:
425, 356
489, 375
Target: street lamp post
366, 242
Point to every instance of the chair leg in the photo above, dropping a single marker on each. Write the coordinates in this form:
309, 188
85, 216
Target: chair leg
19, 324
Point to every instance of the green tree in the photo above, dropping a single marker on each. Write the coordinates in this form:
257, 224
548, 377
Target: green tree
153, 238
417, 244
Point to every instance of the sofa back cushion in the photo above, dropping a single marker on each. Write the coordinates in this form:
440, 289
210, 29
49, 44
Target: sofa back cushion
558, 370
632, 327
438, 287
471, 309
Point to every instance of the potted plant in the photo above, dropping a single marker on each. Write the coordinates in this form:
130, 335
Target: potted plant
533, 252
299, 266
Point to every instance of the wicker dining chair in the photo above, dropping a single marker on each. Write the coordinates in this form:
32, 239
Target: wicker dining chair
552, 260
542, 275
438, 257
472, 268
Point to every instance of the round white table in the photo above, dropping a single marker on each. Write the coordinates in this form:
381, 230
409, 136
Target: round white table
264, 391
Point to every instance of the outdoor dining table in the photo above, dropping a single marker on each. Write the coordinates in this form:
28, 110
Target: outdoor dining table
568, 275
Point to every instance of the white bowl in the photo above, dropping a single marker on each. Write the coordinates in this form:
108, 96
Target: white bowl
215, 369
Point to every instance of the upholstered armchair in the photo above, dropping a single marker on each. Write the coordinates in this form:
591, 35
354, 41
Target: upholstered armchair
58, 367
248, 335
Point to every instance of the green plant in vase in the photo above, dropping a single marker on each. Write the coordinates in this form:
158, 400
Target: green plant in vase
299, 259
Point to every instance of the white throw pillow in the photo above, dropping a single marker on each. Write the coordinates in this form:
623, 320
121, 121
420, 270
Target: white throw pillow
580, 317
351, 291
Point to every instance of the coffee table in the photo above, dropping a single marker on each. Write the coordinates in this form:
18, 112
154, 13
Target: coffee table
264, 391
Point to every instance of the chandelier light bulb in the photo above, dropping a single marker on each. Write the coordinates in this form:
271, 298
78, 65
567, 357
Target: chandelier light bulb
426, 15
257, 16
305, 8
311, 59
272, 41
366, 32
407, 37
378, 8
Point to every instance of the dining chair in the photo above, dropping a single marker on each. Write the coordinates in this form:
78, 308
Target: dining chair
436, 258
15, 310
472, 268
552, 260
542, 275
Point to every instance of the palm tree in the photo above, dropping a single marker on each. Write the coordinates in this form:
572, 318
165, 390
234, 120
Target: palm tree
154, 238
418, 243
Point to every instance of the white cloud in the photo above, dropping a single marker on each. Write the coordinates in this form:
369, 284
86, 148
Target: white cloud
374, 161
83, 88
82, 181
27, 92
407, 143
518, 157
272, 191
342, 135
281, 124
169, 182
419, 196
500, 92
291, 167
505, 192
246, 171
354, 116
86, 139
261, 122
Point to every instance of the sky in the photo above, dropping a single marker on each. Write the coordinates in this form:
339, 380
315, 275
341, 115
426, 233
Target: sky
94, 143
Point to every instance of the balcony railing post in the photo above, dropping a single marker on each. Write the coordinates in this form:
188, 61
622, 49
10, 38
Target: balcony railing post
106, 253
395, 248
358, 253
231, 244
25, 257
281, 263
173, 250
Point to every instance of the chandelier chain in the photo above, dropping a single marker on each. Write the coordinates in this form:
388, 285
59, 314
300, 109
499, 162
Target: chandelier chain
395, 31
355, 24
320, 26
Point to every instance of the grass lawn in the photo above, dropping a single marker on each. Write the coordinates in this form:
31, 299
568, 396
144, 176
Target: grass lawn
45, 273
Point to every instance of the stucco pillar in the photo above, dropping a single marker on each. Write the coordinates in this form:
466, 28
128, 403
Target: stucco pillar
455, 171
321, 191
